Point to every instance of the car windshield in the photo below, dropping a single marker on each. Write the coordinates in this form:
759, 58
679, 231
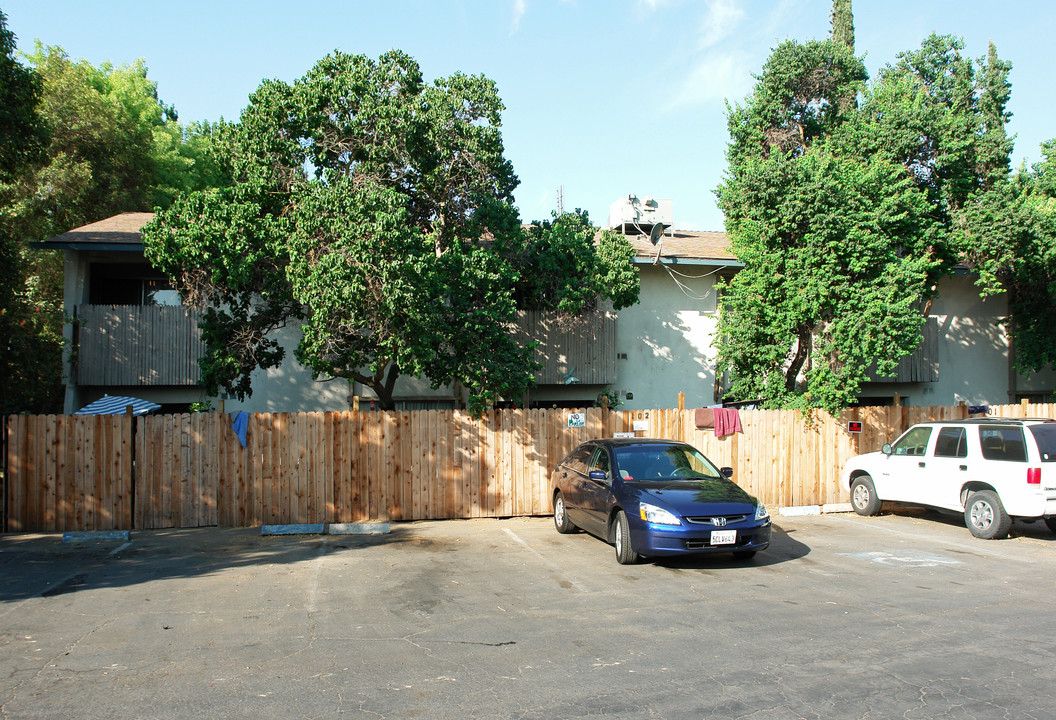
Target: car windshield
1045, 436
662, 462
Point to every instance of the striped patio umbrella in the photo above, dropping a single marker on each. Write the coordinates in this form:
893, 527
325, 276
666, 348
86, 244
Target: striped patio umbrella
116, 405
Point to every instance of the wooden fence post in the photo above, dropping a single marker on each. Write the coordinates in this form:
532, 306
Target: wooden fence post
680, 429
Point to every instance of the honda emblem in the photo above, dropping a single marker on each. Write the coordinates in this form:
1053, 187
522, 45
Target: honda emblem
719, 521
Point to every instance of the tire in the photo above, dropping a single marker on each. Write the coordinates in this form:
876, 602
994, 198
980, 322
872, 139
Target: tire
744, 554
625, 554
985, 516
561, 521
1051, 522
863, 496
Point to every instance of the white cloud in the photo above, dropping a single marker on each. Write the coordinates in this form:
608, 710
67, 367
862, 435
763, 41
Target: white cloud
519, 8
713, 79
720, 22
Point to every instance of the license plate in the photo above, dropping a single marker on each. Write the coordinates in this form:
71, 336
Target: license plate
723, 537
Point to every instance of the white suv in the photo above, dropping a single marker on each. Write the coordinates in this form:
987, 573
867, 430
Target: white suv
989, 469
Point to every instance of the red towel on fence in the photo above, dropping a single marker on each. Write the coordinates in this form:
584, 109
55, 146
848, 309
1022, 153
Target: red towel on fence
727, 422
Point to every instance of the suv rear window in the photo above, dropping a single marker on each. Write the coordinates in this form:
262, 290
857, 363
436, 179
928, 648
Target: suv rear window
1045, 437
1003, 443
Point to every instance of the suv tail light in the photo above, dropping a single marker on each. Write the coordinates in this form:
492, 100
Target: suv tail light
1033, 476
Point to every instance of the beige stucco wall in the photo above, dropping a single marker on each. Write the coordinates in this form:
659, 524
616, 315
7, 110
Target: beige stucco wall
973, 352
290, 388
667, 339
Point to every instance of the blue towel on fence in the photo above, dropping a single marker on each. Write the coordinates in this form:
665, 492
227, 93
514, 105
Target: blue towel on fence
240, 425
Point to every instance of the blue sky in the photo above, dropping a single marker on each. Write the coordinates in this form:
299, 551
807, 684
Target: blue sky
603, 97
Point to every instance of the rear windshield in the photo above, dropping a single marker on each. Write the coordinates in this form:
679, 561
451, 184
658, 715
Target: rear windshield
1045, 437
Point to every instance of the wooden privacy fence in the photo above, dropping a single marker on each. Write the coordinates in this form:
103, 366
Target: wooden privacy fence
113, 472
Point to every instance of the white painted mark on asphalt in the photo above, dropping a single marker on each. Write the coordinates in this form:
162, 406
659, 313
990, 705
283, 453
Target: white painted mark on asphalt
120, 547
976, 547
552, 565
313, 580
905, 558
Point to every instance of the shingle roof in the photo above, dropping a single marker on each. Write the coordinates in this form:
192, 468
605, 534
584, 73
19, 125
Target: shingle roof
120, 232
123, 232
686, 245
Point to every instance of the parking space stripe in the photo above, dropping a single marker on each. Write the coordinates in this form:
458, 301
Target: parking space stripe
552, 565
313, 579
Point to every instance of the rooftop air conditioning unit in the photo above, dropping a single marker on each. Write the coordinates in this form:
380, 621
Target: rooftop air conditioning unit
637, 214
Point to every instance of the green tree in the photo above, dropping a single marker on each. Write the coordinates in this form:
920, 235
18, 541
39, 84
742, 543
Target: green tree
373, 210
21, 138
20, 131
846, 217
105, 145
1010, 239
842, 21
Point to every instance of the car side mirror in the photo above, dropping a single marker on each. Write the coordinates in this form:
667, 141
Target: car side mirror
886, 449
727, 472
599, 475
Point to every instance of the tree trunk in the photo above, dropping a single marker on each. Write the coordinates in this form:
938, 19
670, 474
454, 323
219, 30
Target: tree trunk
382, 383
803, 346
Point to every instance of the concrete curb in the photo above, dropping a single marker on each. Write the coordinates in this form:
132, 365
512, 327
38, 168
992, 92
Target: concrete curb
359, 528
301, 529
801, 510
95, 536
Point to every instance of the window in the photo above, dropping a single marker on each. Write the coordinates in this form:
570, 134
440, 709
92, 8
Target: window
1045, 437
914, 442
579, 460
653, 461
129, 284
600, 461
951, 442
1003, 443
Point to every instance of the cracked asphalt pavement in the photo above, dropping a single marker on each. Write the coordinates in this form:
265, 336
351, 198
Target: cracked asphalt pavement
903, 615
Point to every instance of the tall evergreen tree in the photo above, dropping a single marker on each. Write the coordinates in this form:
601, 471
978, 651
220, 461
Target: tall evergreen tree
842, 21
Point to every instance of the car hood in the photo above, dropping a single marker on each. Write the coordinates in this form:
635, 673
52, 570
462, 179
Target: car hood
697, 496
860, 461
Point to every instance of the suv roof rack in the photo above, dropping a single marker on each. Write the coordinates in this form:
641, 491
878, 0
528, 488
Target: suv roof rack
989, 421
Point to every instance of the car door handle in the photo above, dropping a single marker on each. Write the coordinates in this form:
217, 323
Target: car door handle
964, 467
920, 464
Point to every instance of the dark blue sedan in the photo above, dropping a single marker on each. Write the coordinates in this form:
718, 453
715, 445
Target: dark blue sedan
653, 498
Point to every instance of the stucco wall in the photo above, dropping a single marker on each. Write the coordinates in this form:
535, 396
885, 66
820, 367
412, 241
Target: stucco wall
667, 339
973, 352
290, 388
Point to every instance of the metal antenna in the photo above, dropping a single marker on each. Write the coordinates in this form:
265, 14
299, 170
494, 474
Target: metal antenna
561, 200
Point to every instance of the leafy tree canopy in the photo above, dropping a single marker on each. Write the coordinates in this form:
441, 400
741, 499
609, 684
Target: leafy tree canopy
373, 209
92, 142
1010, 239
846, 213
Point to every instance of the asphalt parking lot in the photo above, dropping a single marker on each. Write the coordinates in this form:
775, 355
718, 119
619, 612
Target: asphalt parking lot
903, 615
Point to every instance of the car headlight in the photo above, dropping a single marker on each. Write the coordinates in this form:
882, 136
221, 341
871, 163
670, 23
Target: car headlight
761, 512
657, 515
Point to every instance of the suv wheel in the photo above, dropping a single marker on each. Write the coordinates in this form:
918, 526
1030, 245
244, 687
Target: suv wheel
863, 496
985, 516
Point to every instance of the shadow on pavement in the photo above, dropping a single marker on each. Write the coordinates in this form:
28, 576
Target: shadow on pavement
42, 565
